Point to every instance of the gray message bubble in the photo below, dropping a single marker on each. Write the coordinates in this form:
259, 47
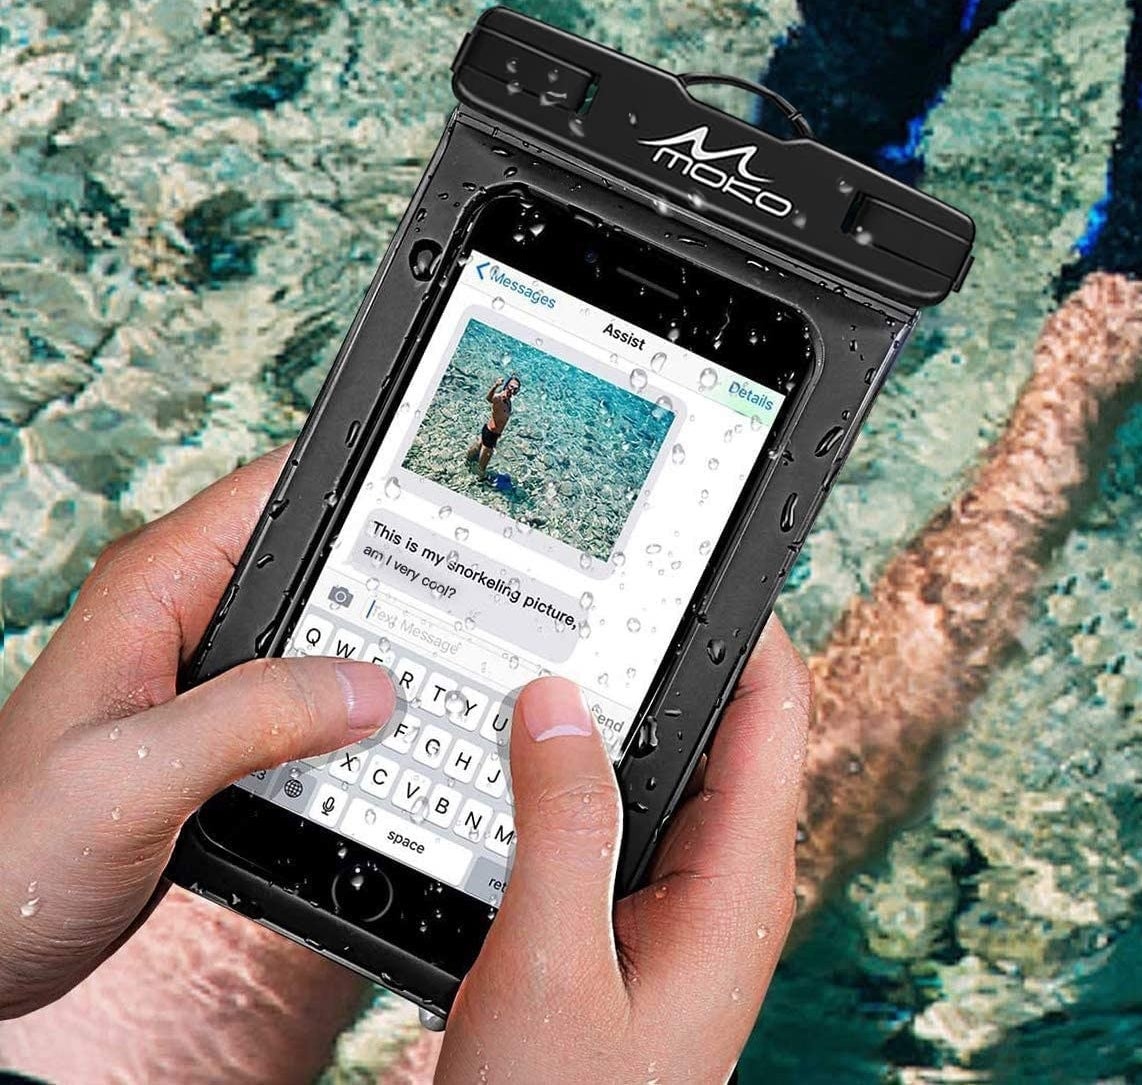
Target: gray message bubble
467, 585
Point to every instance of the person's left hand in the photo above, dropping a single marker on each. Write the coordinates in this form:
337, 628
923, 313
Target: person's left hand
101, 763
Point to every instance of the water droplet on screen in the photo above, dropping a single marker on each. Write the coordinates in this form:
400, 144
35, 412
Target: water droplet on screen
444, 512
419, 810
708, 378
461, 534
658, 361
712, 463
584, 631
497, 303
513, 663
618, 559
584, 561
514, 86
638, 379
703, 497
634, 625
653, 548
392, 489
665, 402
843, 186
370, 816
704, 546
455, 705
632, 119
586, 600
799, 220
716, 650
342, 851
678, 454
576, 125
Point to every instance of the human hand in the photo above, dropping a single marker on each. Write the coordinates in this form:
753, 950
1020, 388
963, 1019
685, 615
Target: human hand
100, 762
665, 984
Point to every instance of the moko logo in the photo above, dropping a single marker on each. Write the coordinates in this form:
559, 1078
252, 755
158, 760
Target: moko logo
688, 154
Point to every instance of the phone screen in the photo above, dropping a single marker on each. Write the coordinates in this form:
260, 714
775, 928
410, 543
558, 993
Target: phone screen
545, 499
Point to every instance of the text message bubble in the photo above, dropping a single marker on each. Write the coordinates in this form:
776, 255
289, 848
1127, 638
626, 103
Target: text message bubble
471, 587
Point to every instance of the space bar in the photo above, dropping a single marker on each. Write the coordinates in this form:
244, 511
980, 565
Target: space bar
399, 838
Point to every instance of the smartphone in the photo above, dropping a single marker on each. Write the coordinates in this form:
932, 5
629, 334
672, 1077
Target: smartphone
580, 425
576, 426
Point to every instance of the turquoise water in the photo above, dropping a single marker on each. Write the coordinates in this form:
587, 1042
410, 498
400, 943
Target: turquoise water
572, 458
193, 197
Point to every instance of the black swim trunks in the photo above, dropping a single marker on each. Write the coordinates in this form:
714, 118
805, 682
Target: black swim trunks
489, 437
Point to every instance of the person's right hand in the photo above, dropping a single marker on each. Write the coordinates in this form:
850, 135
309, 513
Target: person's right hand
665, 985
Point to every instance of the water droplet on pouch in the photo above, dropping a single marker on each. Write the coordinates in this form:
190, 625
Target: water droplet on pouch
392, 489
423, 258
712, 463
708, 378
658, 361
370, 816
678, 454
586, 600
638, 379
634, 625
497, 303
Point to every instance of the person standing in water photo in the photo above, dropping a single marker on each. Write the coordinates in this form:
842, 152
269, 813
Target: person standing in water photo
501, 402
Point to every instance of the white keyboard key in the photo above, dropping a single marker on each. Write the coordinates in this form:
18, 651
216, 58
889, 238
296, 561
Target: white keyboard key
432, 746
436, 689
400, 733
380, 776
382, 657
462, 761
347, 764
401, 839
490, 779
443, 805
412, 790
328, 804
473, 821
311, 635
408, 676
345, 644
469, 713
501, 836
497, 726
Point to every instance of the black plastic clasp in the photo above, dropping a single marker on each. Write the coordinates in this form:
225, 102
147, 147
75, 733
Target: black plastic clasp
639, 123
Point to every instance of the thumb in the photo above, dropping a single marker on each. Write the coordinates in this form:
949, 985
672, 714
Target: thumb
568, 818
257, 715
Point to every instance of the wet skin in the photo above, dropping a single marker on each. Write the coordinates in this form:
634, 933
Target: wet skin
102, 692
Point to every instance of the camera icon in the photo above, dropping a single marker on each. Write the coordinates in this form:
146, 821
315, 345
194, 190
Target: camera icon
340, 596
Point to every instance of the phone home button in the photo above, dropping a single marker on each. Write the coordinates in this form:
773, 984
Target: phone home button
362, 892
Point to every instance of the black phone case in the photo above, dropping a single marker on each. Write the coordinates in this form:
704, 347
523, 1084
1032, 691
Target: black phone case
857, 252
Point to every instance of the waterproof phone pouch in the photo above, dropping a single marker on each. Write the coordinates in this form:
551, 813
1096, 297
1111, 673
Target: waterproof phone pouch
597, 392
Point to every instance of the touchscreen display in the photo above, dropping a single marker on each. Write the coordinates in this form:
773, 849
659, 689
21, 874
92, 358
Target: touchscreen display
545, 500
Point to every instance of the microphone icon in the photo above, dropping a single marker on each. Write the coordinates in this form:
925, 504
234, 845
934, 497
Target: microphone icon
327, 805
